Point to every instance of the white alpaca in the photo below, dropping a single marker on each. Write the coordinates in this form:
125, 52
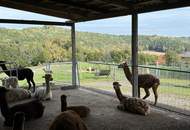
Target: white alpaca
10, 82
44, 93
17, 94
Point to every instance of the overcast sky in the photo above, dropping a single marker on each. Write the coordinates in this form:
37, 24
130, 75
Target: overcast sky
175, 22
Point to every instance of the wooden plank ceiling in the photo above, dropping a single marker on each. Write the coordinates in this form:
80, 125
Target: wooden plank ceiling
85, 10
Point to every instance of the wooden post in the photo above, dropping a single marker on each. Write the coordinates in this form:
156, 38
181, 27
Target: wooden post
136, 90
74, 59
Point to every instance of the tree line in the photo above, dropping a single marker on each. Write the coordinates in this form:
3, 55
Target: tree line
31, 46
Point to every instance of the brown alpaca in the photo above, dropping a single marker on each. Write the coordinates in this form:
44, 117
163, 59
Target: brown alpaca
134, 105
145, 81
68, 120
83, 111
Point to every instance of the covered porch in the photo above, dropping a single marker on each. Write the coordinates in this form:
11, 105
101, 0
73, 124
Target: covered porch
104, 114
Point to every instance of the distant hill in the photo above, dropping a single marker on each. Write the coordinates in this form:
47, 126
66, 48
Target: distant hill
35, 44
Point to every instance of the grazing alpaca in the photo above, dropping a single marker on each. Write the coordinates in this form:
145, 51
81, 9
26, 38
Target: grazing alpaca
44, 93
18, 123
68, 120
134, 105
32, 109
23, 73
17, 94
10, 82
83, 111
145, 81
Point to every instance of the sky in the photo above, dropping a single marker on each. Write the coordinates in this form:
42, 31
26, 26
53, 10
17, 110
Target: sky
174, 22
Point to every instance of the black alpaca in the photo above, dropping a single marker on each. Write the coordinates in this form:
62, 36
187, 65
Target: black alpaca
23, 73
32, 109
19, 119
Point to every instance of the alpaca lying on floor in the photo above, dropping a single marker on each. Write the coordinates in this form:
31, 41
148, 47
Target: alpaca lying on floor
134, 105
83, 111
44, 93
68, 120
18, 122
17, 94
10, 82
32, 109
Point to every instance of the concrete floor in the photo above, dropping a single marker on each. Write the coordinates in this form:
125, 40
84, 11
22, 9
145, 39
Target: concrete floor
104, 114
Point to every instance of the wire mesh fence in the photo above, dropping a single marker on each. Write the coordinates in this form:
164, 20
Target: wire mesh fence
173, 91
61, 72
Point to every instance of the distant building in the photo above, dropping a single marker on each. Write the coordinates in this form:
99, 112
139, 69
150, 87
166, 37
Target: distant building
185, 57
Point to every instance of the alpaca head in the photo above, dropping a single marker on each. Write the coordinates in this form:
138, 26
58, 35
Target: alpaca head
123, 65
2, 62
48, 77
116, 85
63, 97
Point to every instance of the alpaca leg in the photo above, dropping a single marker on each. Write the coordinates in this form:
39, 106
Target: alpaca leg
121, 107
29, 84
147, 93
155, 94
34, 86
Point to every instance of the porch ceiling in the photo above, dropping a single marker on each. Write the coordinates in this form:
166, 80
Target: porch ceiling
85, 10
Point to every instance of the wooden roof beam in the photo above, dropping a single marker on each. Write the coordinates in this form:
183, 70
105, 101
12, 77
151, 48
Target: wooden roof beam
150, 8
41, 10
125, 3
81, 6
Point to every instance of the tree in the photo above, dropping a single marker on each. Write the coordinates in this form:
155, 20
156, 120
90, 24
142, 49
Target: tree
172, 58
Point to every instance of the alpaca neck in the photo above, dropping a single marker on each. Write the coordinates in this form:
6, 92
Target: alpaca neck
119, 94
128, 74
4, 107
63, 104
47, 87
18, 122
7, 72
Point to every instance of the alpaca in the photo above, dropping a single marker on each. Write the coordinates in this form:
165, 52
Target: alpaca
32, 109
18, 122
22, 73
134, 105
68, 120
145, 81
44, 93
17, 94
83, 111
10, 82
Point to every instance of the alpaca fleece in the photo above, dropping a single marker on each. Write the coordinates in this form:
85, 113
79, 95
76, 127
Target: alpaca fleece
10, 82
82, 111
22, 73
31, 109
17, 94
145, 81
134, 105
68, 120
